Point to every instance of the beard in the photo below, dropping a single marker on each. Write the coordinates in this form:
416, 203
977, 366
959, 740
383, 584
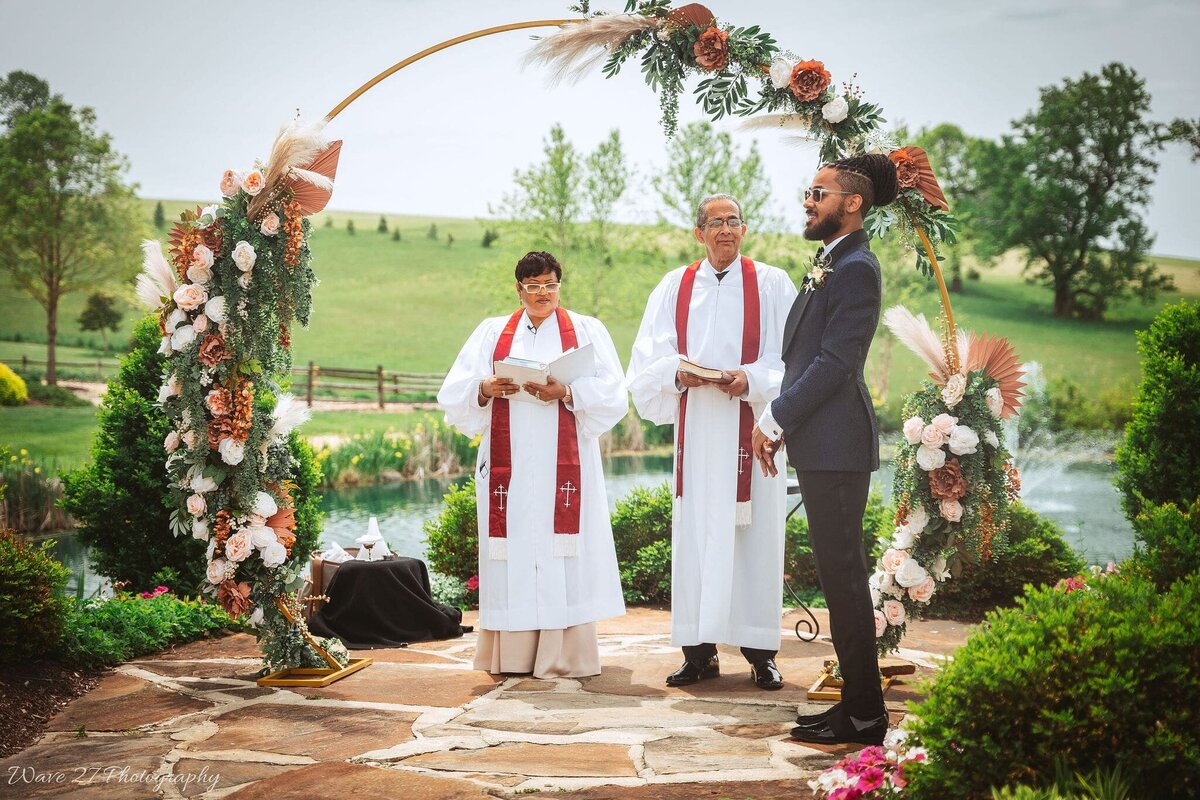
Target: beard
822, 229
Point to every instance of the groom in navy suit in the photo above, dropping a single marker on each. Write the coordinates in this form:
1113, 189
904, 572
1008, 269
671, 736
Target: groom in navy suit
825, 415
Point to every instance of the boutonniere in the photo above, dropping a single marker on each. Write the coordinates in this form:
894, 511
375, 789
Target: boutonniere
815, 278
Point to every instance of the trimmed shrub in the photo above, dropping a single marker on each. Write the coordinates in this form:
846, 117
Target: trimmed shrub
1107, 674
647, 578
306, 480
13, 391
642, 518
32, 610
1036, 554
1159, 461
452, 537
1168, 542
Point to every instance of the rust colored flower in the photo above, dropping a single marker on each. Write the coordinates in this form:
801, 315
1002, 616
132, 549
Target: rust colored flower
212, 350
712, 49
234, 597
809, 81
282, 521
285, 336
908, 172
947, 481
218, 402
293, 225
213, 237
1012, 482
221, 526
218, 429
243, 410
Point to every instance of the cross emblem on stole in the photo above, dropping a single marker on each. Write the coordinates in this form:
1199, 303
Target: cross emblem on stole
742, 456
567, 489
501, 492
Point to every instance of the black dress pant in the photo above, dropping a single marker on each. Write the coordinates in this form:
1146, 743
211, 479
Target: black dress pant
834, 502
701, 653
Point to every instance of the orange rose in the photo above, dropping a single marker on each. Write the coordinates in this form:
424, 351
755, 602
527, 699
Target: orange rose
234, 597
947, 481
907, 171
212, 350
712, 49
809, 81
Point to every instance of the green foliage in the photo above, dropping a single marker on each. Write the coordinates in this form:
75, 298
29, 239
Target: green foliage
100, 314
32, 610
489, 235
547, 194
383, 226
120, 498
1070, 186
1159, 461
432, 233
31, 494
350, 227
647, 578
102, 633
1071, 407
430, 446
1168, 542
452, 537
306, 479
396, 234
160, 216
13, 391
641, 518
55, 396
449, 591
1105, 675
1101, 784
1036, 554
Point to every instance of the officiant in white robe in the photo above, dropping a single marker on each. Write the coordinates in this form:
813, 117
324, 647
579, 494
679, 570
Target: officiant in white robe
547, 564
726, 549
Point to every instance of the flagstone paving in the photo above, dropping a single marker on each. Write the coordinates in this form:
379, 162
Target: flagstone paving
421, 724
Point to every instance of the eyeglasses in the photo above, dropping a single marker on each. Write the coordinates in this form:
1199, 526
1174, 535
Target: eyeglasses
818, 194
716, 223
539, 288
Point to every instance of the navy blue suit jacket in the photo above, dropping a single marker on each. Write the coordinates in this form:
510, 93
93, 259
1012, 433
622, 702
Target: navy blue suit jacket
824, 406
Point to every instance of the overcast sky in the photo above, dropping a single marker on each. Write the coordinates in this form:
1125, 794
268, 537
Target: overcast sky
188, 89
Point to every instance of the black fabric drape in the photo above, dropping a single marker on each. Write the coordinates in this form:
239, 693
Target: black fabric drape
384, 604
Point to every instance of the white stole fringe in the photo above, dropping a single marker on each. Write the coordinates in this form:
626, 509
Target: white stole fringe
566, 545
498, 548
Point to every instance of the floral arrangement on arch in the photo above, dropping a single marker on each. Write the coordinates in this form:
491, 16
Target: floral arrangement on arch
873, 772
793, 93
237, 277
954, 478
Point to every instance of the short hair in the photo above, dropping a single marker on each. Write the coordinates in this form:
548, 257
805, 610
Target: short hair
871, 176
701, 214
537, 262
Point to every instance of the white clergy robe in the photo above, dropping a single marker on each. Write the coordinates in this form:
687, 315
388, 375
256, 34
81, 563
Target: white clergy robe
533, 589
726, 581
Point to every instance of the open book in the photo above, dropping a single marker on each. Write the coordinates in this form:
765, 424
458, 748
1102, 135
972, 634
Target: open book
573, 364
704, 373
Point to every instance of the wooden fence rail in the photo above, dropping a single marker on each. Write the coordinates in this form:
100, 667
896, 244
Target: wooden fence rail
99, 365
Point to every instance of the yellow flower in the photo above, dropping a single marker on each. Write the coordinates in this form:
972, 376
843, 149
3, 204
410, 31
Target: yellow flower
354, 459
37, 470
399, 454
14, 458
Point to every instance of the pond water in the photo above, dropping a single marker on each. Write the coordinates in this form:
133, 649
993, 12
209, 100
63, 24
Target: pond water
1074, 489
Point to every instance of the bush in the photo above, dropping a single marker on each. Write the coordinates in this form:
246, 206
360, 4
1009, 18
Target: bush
1168, 542
642, 518
121, 499
13, 391
1102, 784
306, 479
647, 578
1036, 554
1105, 675
1070, 408
101, 633
1159, 461
452, 538
32, 610
52, 395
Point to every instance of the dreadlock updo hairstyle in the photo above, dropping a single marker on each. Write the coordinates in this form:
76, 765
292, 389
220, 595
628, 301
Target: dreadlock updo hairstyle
537, 262
872, 176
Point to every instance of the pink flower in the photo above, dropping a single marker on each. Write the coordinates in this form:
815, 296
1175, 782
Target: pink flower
870, 779
160, 590
923, 591
892, 559
944, 423
196, 505
200, 324
230, 183
1069, 585
171, 443
190, 296
951, 510
254, 182
238, 546
913, 427
880, 623
473, 583
270, 225
893, 612
933, 436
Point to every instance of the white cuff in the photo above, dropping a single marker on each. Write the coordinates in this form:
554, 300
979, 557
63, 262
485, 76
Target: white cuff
768, 425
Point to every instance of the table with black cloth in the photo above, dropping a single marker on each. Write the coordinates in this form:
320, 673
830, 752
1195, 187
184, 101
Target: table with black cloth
384, 604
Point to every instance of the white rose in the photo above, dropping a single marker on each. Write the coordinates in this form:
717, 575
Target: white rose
196, 505
903, 538
244, 256
923, 591
875, 596
990, 438
190, 296
892, 559
932, 436
199, 274
995, 402
939, 569
232, 452
214, 309
913, 428
963, 441
781, 73
930, 458
880, 624
273, 555
918, 518
164, 347
200, 529
265, 505
881, 580
893, 612
835, 110
201, 484
257, 520
216, 571
910, 573
261, 536
951, 510
183, 336
244, 280
944, 423
175, 319
171, 443
202, 256
953, 391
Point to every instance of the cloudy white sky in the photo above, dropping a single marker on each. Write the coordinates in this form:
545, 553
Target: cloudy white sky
188, 89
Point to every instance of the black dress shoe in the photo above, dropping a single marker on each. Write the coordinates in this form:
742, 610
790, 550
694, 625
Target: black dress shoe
808, 720
841, 728
766, 675
689, 673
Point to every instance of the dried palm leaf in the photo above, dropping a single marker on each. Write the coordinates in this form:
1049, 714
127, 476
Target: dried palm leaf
916, 335
297, 144
312, 184
576, 48
996, 357
926, 182
692, 14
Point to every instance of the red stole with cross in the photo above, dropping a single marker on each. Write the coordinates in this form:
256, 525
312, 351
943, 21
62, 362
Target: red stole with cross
750, 341
567, 476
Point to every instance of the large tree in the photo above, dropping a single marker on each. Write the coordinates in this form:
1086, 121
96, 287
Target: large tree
1069, 188
547, 194
67, 218
700, 162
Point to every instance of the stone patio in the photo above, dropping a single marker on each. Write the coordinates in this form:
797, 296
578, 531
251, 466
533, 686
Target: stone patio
421, 724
